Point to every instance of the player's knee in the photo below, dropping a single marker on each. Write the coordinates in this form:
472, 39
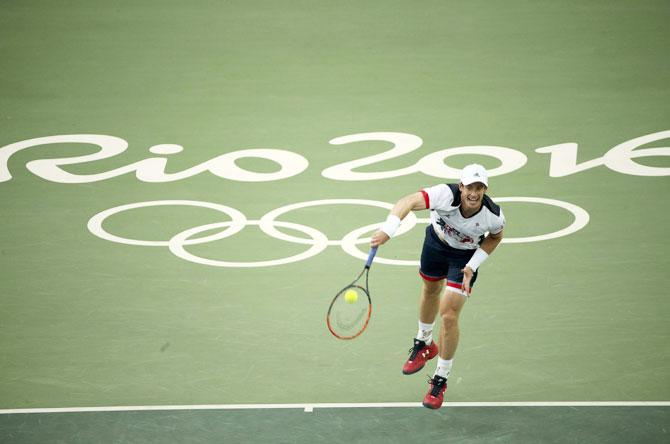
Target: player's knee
433, 290
432, 295
449, 319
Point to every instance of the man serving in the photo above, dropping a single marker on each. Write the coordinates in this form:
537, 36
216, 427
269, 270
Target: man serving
466, 226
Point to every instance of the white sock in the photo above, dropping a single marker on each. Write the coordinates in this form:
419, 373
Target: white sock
425, 332
443, 367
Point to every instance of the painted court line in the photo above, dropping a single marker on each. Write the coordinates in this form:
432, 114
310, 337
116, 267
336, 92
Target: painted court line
310, 407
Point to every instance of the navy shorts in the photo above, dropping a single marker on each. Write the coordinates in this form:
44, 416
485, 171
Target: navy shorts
440, 261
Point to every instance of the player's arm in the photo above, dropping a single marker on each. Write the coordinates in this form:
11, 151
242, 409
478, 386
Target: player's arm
411, 202
487, 246
490, 242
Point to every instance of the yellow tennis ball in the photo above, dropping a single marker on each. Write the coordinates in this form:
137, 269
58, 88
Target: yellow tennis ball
350, 296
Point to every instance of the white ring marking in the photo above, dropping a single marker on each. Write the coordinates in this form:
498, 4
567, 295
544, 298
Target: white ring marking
176, 245
236, 225
267, 221
580, 214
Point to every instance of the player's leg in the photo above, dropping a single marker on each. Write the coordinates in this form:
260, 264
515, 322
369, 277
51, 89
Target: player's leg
450, 310
423, 347
433, 271
431, 290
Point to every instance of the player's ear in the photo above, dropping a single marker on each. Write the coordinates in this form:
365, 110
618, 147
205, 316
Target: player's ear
461, 187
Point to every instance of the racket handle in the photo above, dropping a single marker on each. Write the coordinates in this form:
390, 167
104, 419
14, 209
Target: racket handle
371, 256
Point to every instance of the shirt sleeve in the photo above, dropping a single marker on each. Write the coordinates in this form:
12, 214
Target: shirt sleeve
498, 223
438, 196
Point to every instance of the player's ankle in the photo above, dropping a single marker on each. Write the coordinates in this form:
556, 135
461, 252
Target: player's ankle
425, 332
443, 367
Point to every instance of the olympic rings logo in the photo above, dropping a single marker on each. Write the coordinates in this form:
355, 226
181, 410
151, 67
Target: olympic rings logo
316, 240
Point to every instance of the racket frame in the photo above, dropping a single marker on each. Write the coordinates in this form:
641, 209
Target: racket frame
366, 290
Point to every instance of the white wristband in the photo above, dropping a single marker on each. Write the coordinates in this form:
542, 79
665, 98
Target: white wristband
477, 259
391, 225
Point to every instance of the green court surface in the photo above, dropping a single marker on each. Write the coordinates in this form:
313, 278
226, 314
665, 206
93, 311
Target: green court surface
138, 271
383, 425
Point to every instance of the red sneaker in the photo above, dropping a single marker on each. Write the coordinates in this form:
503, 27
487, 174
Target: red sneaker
420, 353
435, 396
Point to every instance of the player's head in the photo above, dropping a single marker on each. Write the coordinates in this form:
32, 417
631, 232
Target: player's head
474, 173
474, 183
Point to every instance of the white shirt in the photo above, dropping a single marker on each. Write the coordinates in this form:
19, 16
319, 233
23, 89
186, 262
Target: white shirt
465, 233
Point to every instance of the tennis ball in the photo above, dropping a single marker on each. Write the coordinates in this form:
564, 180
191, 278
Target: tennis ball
350, 296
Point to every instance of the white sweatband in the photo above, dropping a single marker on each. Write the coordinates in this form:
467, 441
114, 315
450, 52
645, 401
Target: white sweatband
477, 259
391, 225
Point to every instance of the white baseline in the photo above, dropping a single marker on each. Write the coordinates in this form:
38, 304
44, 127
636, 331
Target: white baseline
309, 407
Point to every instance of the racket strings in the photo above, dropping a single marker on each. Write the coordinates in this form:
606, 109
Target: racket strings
351, 309
349, 315
349, 325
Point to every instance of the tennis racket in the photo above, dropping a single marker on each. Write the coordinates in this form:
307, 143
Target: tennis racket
351, 308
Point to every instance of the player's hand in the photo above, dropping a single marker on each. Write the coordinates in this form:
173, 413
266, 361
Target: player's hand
379, 238
467, 277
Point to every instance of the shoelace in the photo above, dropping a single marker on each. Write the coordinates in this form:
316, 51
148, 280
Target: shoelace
437, 383
416, 348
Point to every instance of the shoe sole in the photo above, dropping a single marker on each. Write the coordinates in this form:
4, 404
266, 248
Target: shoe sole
428, 406
415, 371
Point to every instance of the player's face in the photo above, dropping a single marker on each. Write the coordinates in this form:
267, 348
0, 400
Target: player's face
472, 195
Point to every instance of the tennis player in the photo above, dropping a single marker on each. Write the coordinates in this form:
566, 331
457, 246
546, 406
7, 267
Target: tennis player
466, 226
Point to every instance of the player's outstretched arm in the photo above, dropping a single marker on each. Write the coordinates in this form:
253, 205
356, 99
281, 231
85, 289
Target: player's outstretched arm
490, 242
487, 246
411, 202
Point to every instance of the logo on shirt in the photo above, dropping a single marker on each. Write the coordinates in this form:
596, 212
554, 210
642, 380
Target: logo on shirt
453, 233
